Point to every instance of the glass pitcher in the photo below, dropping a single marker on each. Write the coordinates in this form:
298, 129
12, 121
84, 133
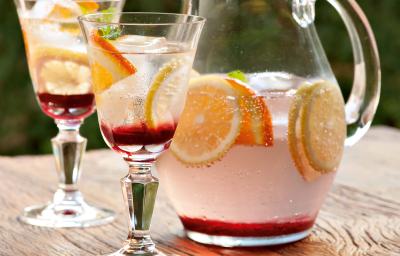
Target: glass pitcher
264, 126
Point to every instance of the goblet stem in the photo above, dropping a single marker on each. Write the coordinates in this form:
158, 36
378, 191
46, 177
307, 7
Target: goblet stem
68, 149
68, 207
139, 188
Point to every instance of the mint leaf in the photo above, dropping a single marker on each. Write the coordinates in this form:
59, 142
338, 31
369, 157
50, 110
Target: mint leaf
110, 32
239, 75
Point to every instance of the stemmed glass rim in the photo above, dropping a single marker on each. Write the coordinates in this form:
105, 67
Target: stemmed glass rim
93, 18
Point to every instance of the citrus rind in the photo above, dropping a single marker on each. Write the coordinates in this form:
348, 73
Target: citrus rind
256, 126
294, 140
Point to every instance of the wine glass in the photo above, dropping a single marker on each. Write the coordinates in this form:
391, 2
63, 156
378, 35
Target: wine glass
140, 64
60, 73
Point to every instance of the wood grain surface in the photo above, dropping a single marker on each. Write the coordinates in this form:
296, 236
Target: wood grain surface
361, 215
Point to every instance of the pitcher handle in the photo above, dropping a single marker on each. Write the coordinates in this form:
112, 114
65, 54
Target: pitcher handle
363, 100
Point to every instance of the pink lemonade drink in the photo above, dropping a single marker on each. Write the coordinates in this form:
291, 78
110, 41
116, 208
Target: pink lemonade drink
246, 166
57, 56
140, 86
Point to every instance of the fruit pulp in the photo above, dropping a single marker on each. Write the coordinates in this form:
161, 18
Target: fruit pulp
224, 228
67, 106
139, 134
253, 190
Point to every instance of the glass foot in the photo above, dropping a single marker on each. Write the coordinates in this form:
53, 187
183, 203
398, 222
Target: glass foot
65, 217
124, 252
66, 214
143, 246
231, 241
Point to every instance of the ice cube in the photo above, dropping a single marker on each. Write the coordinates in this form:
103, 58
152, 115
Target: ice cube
123, 102
271, 81
42, 9
50, 35
45, 9
139, 44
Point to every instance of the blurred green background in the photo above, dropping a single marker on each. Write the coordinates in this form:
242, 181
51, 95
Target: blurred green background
24, 129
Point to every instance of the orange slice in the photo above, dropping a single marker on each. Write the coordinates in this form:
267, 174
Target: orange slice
109, 66
64, 10
61, 12
209, 124
61, 71
256, 127
89, 6
316, 129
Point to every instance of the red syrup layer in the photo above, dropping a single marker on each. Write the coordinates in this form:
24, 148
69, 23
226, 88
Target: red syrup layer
221, 228
69, 107
137, 134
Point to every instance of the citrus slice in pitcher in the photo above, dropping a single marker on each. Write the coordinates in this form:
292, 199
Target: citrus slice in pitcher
209, 124
256, 127
61, 71
317, 129
323, 127
109, 65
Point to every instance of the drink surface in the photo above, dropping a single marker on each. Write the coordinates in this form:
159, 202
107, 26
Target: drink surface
57, 56
140, 85
253, 188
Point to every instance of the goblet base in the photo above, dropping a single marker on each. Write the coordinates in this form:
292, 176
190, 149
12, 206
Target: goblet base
231, 241
67, 215
127, 252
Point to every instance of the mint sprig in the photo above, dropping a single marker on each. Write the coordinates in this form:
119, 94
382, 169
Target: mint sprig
239, 75
110, 32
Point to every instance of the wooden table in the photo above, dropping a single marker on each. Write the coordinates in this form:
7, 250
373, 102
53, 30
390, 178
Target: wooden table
361, 215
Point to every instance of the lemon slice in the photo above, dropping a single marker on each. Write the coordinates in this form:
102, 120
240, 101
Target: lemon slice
256, 126
209, 124
109, 66
316, 129
61, 71
323, 127
168, 87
